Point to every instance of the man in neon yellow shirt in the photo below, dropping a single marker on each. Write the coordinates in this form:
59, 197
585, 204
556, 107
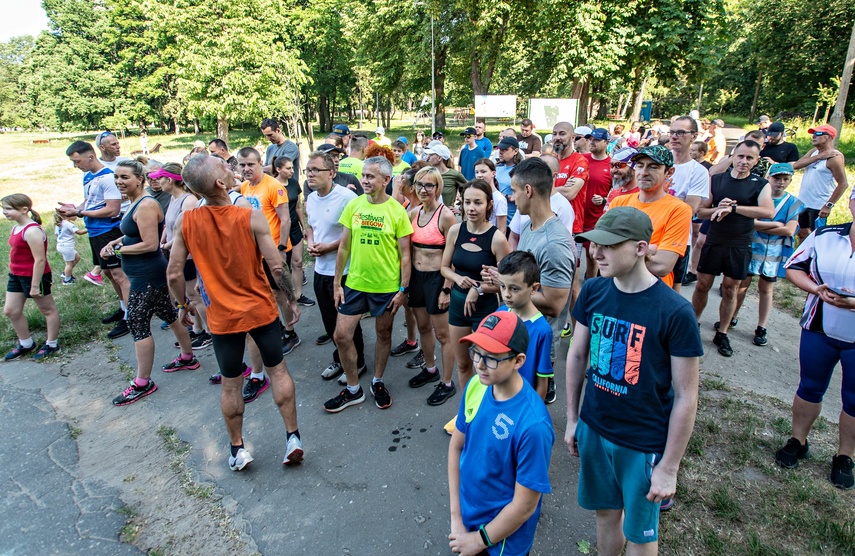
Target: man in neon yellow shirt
380, 137
376, 239
353, 164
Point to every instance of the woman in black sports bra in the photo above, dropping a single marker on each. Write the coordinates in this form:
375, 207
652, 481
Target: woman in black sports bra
472, 244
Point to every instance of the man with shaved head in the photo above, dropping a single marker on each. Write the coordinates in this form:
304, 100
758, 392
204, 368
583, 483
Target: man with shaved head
240, 300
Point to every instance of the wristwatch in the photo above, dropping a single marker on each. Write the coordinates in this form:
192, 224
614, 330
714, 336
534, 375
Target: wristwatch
404, 289
829, 205
446, 291
79, 214
282, 247
733, 207
478, 288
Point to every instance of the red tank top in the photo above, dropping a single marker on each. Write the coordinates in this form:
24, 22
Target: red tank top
229, 263
21, 259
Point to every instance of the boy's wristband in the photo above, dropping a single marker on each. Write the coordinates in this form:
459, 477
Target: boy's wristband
485, 537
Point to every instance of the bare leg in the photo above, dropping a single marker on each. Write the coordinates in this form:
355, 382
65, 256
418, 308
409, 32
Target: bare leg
610, 539
423, 319
461, 353
741, 291
201, 319
120, 282
254, 355
767, 290
701, 294
383, 345
297, 268
232, 406
48, 308
283, 394
727, 307
286, 310
145, 356
183, 337
14, 311
412, 325
804, 415
345, 326
440, 330
847, 435
696, 252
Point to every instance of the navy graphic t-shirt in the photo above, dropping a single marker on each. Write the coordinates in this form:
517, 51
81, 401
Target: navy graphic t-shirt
629, 395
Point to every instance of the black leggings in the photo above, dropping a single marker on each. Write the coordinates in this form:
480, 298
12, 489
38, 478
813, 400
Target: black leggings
228, 348
143, 304
324, 294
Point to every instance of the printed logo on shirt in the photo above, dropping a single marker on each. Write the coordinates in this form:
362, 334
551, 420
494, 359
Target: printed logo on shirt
615, 353
501, 423
370, 228
256, 204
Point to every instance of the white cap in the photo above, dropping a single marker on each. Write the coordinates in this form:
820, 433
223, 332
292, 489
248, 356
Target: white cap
380, 130
440, 149
583, 130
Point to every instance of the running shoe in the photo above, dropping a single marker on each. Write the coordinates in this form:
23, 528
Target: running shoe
241, 460
723, 343
118, 316
690, 278
332, 371
218, 378
68, 281
133, 393
760, 336
666, 504
841, 472
344, 400
733, 323
290, 342
551, 396
45, 351
450, 426
121, 329
193, 336
305, 279
343, 378
164, 325
382, 399
417, 362
566, 331
95, 279
305, 301
323, 339
202, 340
441, 393
405, 347
791, 453
293, 451
424, 377
179, 364
18, 352
254, 387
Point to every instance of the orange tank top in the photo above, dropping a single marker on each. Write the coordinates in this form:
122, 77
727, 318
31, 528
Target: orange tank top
228, 260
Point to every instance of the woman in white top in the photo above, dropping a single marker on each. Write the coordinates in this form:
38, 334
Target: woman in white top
485, 170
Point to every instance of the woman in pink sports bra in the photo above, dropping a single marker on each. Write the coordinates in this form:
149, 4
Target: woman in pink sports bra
430, 293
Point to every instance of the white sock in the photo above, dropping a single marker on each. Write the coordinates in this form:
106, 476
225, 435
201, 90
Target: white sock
124, 306
52, 343
28, 343
432, 370
375, 380
353, 389
259, 376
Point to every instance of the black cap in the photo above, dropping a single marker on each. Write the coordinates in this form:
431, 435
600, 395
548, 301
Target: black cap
469, 131
508, 142
775, 128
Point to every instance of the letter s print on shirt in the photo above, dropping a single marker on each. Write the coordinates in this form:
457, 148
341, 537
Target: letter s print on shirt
616, 350
502, 422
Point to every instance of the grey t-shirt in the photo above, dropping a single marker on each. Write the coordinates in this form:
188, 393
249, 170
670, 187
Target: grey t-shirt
288, 149
551, 246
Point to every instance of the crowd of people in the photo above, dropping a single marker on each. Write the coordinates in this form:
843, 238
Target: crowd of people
482, 253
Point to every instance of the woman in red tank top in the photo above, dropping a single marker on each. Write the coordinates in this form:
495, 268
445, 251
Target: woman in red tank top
29, 277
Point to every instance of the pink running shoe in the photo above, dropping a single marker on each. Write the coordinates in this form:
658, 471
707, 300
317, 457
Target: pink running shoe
94, 279
179, 364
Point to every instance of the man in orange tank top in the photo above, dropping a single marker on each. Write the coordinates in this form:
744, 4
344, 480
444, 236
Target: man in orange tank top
238, 296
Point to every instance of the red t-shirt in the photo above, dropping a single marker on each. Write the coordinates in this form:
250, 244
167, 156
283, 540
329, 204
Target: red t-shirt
599, 183
574, 166
617, 192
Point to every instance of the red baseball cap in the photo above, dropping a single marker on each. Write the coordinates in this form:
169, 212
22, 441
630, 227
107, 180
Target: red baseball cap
500, 332
825, 128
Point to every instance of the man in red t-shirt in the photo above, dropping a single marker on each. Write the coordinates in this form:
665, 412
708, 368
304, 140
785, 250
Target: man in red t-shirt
572, 173
599, 185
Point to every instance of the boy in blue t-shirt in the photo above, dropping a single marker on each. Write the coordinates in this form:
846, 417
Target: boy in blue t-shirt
498, 458
519, 279
642, 390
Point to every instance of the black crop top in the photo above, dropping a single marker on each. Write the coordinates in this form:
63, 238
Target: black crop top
469, 263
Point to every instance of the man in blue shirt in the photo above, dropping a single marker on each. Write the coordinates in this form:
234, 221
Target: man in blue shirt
481, 139
469, 153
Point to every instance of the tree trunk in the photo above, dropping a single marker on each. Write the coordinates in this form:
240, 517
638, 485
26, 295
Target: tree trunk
177, 125
223, 128
756, 94
636, 107
582, 113
625, 107
815, 114
603, 108
439, 90
195, 126
827, 113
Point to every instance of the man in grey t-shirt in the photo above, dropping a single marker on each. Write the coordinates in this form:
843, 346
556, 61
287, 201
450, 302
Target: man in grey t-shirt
279, 146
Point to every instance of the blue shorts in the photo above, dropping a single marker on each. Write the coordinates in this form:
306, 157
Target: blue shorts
356, 302
612, 477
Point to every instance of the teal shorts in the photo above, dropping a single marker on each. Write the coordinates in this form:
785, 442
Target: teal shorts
612, 477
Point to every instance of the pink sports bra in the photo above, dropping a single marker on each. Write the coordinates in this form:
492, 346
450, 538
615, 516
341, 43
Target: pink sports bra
428, 236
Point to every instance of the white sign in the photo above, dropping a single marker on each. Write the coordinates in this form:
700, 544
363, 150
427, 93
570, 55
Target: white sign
495, 106
546, 112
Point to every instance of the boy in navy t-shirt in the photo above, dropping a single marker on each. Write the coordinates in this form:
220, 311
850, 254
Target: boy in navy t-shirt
642, 392
519, 278
498, 458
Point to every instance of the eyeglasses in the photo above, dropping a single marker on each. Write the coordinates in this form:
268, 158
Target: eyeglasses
467, 136
681, 132
316, 170
424, 185
489, 362
576, 138
617, 165
820, 133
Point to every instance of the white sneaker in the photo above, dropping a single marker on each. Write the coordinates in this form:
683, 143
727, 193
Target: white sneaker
293, 451
241, 460
332, 371
343, 378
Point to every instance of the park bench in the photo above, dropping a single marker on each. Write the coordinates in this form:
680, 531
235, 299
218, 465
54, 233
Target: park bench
41, 141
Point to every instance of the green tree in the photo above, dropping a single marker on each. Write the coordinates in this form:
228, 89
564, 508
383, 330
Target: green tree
13, 109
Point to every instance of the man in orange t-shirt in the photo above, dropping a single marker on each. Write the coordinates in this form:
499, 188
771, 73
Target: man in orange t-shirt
671, 217
227, 243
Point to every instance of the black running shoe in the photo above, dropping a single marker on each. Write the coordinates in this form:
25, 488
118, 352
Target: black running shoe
551, 396
723, 343
841, 472
253, 388
441, 393
760, 336
133, 393
382, 398
690, 278
290, 342
344, 400
202, 341
115, 317
417, 361
404, 347
305, 301
323, 339
791, 453
121, 329
424, 377
733, 324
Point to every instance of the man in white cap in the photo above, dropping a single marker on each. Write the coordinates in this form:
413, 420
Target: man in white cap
439, 156
582, 139
380, 137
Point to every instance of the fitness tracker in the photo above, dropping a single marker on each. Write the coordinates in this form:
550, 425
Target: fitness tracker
282, 247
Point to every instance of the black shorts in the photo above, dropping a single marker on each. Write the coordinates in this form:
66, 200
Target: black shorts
771, 279
425, 288
356, 302
296, 235
22, 284
705, 227
485, 305
99, 242
228, 348
270, 279
720, 259
807, 218
189, 270
681, 267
